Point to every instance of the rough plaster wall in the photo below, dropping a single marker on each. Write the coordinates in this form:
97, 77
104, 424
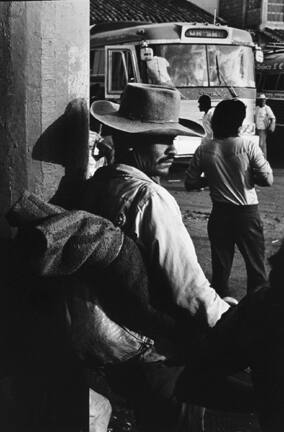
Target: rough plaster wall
33, 91
44, 47
13, 171
4, 171
64, 70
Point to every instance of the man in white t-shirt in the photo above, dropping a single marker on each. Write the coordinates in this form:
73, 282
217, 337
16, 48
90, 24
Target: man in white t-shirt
204, 104
265, 121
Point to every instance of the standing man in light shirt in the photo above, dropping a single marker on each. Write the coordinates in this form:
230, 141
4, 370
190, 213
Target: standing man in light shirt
232, 165
265, 122
204, 104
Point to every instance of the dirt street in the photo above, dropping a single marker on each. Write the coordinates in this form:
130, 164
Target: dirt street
196, 207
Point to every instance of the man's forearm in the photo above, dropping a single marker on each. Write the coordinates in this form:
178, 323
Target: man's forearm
272, 125
264, 175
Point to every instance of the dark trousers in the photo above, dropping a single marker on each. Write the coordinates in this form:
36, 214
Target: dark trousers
250, 334
231, 225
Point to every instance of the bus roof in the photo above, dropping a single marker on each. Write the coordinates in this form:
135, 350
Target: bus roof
127, 32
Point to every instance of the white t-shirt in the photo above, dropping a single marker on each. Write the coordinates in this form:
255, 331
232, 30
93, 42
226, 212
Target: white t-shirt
263, 115
206, 121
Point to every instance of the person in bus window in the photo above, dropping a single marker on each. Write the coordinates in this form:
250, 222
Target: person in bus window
157, 68
265, 122
189, 69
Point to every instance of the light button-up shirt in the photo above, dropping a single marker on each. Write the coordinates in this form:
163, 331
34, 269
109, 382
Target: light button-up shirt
153, 215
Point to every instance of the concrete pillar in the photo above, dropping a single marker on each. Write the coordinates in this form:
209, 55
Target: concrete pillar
44, 51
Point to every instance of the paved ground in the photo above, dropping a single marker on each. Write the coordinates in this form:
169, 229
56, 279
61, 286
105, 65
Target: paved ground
195, 207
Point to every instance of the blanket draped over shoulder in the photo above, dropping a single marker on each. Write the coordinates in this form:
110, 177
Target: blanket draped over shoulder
74, 250
60, 241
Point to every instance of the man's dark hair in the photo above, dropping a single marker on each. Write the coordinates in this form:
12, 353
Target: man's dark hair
227, 118
205, 99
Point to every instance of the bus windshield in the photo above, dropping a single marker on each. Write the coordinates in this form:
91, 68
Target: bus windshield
185, 65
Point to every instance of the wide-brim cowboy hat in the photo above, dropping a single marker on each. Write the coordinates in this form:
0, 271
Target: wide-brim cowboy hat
261, 96
148, 109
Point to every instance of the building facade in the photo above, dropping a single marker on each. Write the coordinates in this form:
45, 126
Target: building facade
273, 14
254, 14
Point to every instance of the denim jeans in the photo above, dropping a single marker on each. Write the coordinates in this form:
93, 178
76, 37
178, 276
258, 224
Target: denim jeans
231, 225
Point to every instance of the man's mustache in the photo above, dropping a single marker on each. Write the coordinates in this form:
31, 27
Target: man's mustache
169, 158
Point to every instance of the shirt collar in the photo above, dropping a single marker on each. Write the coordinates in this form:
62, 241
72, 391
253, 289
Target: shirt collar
134, 172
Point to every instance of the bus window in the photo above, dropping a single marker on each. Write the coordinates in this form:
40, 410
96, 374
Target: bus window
97, 65
189, 68
97, 62
185, 65
120, 68
181, 65
231, 65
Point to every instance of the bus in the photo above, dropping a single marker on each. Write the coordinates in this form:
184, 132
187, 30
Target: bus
195, 58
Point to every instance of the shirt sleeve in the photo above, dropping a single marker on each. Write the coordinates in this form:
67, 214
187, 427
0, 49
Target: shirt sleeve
262, 171
193, 173
160, 225
210, 114
269, 112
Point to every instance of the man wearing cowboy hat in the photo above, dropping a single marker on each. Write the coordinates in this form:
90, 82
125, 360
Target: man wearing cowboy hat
265, 122
128, 193
213, 339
